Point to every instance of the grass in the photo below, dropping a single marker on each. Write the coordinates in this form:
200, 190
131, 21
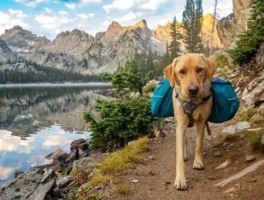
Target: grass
107, 169
221, 60
254, 139
78, 197
80, 177
125, 158
245, 115
257, 121
93, 198
99, 178
122, 190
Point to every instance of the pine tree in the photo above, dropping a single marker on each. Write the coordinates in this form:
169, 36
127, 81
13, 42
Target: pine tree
166, 57
192, 22
174, 47
250, 41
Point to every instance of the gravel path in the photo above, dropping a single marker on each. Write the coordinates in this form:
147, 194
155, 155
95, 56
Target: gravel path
156, 175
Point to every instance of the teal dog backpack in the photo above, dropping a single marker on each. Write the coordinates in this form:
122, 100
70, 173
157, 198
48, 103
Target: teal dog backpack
225, 100
161, 101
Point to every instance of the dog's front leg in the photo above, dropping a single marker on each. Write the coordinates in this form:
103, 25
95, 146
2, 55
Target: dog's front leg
198, 160
180, 181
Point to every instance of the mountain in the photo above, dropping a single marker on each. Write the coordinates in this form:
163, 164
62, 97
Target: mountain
22, 41
231, 26
6, 53
80, 52
114, 47
213, 41
74, 42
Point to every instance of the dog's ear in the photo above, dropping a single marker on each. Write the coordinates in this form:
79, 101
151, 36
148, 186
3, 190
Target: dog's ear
169, 72
210, 68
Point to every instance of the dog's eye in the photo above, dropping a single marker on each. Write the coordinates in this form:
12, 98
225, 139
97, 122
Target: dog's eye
182, 71
199, 70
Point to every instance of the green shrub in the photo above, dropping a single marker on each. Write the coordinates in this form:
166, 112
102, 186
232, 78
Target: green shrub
221, 60
121, 121
246, 114
249, 42
129, 77
121, 189
254, 139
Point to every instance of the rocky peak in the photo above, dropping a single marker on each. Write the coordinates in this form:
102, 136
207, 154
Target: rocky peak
208, 28
233, 25
22, 41
163, 32
240, 6
73, 42
114, 26
142, 24
13, 31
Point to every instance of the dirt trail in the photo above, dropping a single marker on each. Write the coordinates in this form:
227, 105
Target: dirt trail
156, 176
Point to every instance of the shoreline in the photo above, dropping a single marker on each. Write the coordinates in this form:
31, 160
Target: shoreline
49, 85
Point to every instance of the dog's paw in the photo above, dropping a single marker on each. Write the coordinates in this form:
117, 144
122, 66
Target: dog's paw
198, 165
180, 184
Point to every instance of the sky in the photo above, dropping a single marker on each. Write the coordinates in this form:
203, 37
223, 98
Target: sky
50, 17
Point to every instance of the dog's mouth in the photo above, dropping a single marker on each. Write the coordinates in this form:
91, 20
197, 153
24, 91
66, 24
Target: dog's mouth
194, 97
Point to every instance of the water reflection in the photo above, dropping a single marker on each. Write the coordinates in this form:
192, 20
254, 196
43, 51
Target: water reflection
36, 121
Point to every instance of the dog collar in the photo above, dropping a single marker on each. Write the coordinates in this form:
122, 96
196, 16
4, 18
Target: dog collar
189, 107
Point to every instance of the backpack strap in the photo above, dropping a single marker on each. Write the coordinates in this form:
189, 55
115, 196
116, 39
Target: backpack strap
189, 107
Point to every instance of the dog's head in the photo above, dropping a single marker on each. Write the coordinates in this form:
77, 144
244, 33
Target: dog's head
191, 74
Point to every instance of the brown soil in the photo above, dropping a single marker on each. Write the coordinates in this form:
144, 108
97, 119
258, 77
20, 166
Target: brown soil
156, 175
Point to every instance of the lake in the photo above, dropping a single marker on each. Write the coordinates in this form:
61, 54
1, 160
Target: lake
36, 119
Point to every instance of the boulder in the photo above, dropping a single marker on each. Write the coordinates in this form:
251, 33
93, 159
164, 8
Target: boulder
83, 164
240, 126
55, 154
35, 184
63, 182
254, 93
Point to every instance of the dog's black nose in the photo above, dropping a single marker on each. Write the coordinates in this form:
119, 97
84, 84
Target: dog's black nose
193, 90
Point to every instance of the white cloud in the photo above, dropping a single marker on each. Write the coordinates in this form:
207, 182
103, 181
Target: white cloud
56, 140
153, 5
130, 16
12, 18
5, 172
122, 5
63, 13
106, 23
11, 143
82, 3
90, 1
48, 10
30, 3
54, 21
41, 1
84, 16
71, 6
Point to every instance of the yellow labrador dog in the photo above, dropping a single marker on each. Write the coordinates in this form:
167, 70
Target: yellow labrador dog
190, 75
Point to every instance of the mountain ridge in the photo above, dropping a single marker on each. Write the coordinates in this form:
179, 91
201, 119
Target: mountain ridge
79, 51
